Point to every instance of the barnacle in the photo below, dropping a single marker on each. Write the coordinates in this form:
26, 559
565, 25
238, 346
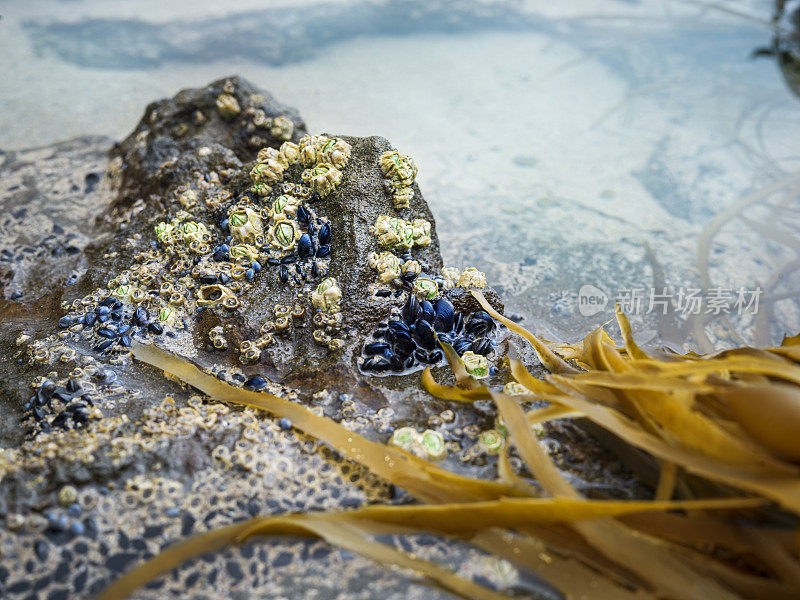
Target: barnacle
327, 296
471, 277
322, 178
245, 225
214, 294
179, 236
388, 265
475, 364
228, 106
398, 234
282, 128
283, 234
334, 151
450, 275
285, 205
244, 252
424, 288
491, 441
399, 171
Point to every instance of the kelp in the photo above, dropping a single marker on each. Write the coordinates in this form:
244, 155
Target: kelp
695, 415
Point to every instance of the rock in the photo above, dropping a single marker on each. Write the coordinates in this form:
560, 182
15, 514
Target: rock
263, 255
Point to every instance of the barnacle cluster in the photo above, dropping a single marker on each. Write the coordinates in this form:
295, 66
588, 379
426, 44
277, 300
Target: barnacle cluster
399, 171
428, 445
242, 458
388, 265
326, 298
180, 234
271, 165
398, 234
322, 158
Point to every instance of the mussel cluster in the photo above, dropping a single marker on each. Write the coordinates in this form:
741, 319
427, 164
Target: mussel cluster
313, 244
76, 405
411, 340
113, 326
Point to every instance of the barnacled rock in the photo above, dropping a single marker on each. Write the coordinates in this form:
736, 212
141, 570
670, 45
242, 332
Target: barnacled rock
223, 232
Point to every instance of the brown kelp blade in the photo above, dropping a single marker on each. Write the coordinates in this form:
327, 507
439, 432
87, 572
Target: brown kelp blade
449, 519
421, 479
549, 359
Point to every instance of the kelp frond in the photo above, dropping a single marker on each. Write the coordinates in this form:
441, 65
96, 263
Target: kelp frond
721, 428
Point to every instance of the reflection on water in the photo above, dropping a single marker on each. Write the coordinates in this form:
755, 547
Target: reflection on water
554, 142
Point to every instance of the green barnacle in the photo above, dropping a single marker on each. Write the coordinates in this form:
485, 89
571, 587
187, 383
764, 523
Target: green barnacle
284, 233
166, 314
238, 218
434, 445
244, 252
491, 441
261, 188
121, 292
245, 225
279, 204
163, 230
284, 205
425, 288
475, 364
190, 227
405, 438
322, 178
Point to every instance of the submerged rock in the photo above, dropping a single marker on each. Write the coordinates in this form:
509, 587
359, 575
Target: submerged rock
222, 231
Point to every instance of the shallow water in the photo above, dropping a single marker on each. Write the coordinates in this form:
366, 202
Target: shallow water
553, 141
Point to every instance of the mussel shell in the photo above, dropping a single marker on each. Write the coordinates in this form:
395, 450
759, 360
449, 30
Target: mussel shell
411, 309
424, 335
426, 311
434, 356
396, 362
283, 274
305, 247
458, 322
479, 323
324, 234
404, 346
256, 382
376, 348
302, 214
399, 326
447, 338
483, 346
375, 363
462, 344
323, 251
445, 314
